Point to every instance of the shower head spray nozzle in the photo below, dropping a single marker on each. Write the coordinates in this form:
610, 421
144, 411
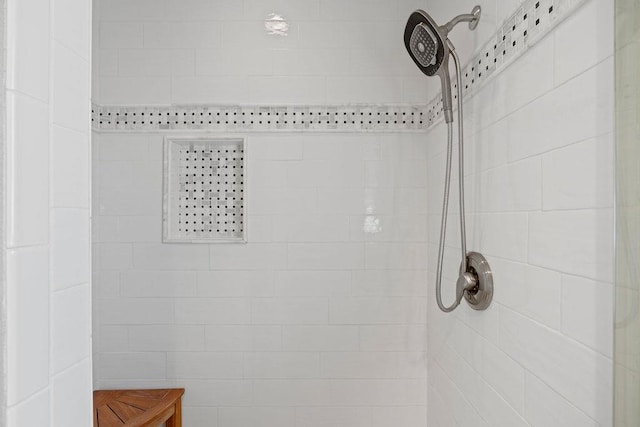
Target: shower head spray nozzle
429, 47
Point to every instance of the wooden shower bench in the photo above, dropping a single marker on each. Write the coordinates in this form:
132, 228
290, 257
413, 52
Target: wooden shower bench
138, 408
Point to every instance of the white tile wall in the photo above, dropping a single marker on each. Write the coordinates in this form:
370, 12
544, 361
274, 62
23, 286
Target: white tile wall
219, 52
48, 255
320, 319
539, 193
289, 322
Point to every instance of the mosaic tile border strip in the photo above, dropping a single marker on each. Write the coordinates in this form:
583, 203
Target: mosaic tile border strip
229, 118
531, 21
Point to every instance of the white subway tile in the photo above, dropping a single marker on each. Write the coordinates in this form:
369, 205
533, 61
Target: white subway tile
111, 339
300, 10
392, 283
105, 284
385, 228
311, 228
132, 366
531, 291
234, 283
232, 311
267, 174
266, 417
252, 256
284, 392
121, 147
156, 62
120, 35
200, 415
545, 408
201, 365
70, 327
158, 284
287, 89
278, 147
393, 338
320, 338
113, 256
135, 90
137, 229
366, 311
105, 62
369, 392
27, 45
289, 311
170, 257
573, 54
545, 124
306, 62
369, 201
312, 283
525, 80
281, 365
35, 411
230, 62
579, 176
558, 241
218, 392
503, 235
72, 25
247, 35
513, 187
259, 228
70, 247
125, 311
359, 365
127, 10
404, 416
398, 256
374, 89
333, 173
186, 35
335, 35
579, 374
408, 173
307, 416
27, 171
243, 338
130, 201
210, 89
325, 256
69, 168
413, 365
166, 338
75, 382
587, 310
28, 329
197, 10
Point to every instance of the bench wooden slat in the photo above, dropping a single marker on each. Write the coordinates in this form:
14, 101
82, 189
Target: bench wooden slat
138, 408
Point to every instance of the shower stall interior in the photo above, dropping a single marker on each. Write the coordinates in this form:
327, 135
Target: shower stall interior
273, 238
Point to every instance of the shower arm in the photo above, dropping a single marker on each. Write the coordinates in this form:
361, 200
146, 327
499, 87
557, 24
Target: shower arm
472, 18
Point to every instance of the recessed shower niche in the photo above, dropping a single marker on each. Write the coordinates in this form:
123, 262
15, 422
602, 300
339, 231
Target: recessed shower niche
204, 191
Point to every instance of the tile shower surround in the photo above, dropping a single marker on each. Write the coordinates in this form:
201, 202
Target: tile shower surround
539, 176
340, 297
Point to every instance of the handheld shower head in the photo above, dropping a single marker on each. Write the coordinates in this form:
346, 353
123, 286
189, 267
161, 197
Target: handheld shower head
429, 47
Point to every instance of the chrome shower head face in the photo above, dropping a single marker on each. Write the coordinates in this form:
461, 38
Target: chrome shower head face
424, 42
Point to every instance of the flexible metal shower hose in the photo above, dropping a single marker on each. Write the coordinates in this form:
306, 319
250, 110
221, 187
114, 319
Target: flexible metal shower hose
445, 202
